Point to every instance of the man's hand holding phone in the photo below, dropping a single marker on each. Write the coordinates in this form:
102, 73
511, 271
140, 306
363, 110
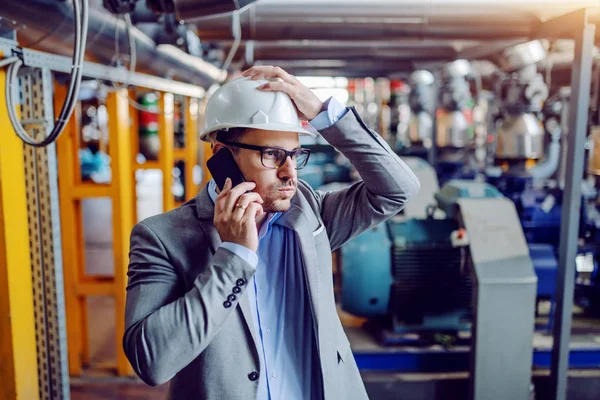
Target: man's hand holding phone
236, 212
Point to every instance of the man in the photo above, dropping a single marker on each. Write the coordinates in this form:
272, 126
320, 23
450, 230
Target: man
231, 296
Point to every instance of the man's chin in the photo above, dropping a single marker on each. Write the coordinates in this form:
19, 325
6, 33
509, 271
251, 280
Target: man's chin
278, 206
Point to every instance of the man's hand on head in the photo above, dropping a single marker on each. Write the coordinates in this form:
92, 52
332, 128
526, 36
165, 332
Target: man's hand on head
307, 103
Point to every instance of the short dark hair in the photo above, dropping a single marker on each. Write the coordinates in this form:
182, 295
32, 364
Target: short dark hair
231, 134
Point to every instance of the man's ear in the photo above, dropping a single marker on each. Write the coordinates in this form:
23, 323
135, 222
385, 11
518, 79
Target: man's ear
217, 146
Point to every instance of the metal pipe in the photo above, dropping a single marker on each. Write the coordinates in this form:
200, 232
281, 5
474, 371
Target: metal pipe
54, 33
385, 19
569, 227
548, 167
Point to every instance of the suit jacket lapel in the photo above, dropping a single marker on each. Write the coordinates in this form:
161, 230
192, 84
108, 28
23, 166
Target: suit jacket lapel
205, 209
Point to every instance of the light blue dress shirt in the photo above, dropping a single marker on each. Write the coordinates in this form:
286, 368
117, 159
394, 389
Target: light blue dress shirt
280, 304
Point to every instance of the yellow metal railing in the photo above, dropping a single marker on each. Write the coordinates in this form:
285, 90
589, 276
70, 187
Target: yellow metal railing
18, 354
123, 148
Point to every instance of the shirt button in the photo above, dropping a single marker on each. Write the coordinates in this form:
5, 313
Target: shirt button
240, 282
253, 376
236, 290
231, 297
227, 304
268, 330
274, 375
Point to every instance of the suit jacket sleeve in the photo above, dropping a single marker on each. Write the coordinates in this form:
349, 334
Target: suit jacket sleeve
166, 327
387, 182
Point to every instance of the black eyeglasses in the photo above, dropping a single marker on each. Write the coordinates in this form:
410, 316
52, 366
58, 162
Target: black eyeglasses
274, 157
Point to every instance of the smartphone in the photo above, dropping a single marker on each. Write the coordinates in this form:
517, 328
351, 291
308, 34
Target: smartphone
222, 165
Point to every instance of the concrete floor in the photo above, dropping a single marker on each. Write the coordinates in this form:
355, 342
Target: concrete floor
100, 383
115, 389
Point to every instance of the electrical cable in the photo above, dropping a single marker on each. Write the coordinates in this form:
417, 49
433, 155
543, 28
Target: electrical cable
81, 27
114, 87
132, 49
8, 61
236, 27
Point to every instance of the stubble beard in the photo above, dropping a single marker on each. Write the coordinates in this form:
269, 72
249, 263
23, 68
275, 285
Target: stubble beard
274, 203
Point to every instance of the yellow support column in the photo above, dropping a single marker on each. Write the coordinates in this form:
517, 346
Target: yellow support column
166, 158
191, 146
206, 154
134, 128
18, 354
122, 198
205, 149
71, 223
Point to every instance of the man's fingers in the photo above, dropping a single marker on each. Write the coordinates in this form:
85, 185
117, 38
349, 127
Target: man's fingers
244, 202
219, 203
279, 87
234, 194
247, 198
269, 71
253, 210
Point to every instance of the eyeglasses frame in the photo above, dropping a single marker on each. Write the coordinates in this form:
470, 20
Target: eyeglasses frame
262, 148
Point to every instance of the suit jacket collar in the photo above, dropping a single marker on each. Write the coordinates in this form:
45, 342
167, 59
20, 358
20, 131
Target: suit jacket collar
204, 205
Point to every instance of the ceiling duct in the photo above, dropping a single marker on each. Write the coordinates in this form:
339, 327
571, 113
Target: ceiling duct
54, 34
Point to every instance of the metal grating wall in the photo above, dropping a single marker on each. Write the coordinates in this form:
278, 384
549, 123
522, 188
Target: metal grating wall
44, 235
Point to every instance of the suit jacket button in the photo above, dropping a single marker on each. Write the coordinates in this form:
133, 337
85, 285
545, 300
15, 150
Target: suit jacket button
240, 282
236, 290
231, 297
227, 304
253, 376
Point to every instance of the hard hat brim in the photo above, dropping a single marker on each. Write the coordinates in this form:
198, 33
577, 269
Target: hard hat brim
204, 135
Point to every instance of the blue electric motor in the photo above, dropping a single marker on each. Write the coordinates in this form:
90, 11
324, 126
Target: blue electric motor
408, 270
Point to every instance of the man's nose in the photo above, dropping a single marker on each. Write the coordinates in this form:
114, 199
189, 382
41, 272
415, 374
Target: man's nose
287, 170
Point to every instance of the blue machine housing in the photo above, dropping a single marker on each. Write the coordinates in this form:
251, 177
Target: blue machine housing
409, 272
539, 209
432, 285
366, 273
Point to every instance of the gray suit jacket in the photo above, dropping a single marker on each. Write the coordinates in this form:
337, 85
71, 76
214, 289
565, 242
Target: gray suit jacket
176, 325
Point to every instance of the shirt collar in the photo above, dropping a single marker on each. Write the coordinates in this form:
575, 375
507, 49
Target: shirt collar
212, 192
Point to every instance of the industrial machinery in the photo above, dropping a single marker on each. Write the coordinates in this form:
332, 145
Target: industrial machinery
527, 154
412, 107
521, 94
587, 286
422, 103
447, 275
529, 158
452, 103
455, 129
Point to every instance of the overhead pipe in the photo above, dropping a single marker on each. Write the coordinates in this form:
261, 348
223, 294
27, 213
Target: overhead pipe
387, 19
54, 34
316, 50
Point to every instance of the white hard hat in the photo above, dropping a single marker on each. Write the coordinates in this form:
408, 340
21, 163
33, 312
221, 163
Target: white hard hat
239, 104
